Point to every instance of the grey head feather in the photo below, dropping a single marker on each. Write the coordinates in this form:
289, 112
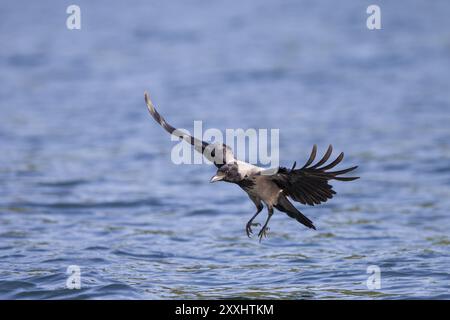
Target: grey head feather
230, 171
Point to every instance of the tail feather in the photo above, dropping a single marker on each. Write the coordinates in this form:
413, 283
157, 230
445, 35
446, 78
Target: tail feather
286, 206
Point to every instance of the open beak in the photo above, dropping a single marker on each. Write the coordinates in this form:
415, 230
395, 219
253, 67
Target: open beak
217, 177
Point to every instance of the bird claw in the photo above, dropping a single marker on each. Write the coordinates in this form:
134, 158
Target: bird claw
248, 228
263, 233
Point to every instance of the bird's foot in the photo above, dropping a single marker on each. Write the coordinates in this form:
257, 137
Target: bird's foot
263, 233
248, 227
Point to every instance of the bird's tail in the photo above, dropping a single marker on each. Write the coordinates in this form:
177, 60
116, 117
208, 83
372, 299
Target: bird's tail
286, 206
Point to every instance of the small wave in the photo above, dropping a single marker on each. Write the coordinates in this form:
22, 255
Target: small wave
63, 183
13, 234
92, 205
152, 255
8, 286
201, 212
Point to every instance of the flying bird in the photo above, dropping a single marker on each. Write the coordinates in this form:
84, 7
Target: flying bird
308, 185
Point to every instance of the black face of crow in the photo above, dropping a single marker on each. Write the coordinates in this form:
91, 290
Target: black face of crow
228, 172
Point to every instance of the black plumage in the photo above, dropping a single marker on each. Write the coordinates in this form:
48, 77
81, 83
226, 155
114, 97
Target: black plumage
309, 184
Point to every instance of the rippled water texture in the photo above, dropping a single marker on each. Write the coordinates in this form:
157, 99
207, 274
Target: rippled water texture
86, 177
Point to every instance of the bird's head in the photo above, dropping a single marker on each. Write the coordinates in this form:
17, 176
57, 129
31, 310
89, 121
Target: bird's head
228, 172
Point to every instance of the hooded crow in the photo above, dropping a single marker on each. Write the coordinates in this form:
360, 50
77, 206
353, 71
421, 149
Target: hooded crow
272, 187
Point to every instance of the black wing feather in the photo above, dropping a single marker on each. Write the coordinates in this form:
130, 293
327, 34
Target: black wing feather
309, 185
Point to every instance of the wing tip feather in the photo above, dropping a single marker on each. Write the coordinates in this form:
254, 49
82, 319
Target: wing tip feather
149, 103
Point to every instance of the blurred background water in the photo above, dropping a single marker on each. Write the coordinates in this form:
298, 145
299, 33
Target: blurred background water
86, 177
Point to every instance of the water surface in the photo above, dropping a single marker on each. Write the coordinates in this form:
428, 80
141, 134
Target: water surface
86, 177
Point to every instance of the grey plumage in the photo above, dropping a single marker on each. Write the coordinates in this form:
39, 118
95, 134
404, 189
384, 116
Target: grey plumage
307, 185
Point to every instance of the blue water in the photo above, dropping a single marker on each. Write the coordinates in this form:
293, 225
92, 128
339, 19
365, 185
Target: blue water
86, 177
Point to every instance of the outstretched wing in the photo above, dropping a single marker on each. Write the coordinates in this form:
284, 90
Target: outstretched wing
309, 184
218, 153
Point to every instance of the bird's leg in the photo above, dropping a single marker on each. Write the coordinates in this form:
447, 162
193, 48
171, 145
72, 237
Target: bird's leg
264, 229
248, 227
